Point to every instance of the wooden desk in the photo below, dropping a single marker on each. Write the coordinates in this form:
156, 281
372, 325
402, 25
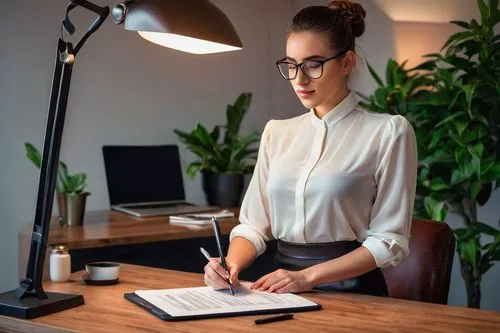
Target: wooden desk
106, 310
110, 228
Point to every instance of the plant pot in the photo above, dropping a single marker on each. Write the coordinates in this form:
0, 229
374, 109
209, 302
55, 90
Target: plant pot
61, 204
224, 189
75, 208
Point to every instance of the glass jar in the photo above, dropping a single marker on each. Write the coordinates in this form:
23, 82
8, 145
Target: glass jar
60, 264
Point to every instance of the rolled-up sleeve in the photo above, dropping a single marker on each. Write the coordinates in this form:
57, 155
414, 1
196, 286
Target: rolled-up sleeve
390, 222
255, 224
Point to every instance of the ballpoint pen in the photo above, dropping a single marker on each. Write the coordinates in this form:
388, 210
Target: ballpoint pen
273, 319
215, 224
207, 255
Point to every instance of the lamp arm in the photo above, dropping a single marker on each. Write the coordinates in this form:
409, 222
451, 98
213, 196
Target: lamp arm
31, 285
102, 12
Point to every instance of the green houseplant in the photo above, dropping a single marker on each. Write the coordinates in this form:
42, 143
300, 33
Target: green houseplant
223, 160
452, 101
71, 197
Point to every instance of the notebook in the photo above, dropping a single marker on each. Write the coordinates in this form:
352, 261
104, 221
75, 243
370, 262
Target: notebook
147, 181
201, 218
205, 302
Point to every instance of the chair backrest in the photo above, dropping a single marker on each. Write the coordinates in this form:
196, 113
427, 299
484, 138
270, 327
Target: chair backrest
425, 274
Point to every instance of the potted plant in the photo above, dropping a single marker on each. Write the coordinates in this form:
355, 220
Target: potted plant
71, 197
223, 161
453, 103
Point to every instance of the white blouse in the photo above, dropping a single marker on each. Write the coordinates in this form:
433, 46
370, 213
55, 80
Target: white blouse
348, 176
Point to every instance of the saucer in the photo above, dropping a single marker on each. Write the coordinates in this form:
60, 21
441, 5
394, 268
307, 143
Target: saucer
88, 281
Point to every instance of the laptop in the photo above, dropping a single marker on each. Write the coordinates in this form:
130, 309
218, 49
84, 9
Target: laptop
147, 181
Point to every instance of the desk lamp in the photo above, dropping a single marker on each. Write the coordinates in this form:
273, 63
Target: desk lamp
195, 26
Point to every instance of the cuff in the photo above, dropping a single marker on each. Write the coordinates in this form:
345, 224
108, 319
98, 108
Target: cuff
386, 252
250, 234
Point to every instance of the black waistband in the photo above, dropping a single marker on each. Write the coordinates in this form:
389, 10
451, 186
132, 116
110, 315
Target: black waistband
316, 251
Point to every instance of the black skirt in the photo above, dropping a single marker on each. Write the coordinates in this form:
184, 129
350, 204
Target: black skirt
294, 256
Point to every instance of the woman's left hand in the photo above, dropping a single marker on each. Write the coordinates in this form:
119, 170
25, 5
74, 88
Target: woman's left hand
283, 281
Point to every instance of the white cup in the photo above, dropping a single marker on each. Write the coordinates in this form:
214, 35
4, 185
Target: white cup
103, 270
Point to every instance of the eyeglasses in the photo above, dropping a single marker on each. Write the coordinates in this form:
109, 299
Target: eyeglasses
312, 69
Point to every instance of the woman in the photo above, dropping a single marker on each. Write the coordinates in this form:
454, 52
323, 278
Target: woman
334, 186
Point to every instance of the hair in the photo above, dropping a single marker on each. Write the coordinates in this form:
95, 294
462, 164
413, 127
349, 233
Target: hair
341, 20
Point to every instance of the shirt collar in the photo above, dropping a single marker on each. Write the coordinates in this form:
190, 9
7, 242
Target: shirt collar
337, 113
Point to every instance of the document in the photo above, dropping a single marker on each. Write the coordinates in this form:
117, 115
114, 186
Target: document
202, 301
200, 218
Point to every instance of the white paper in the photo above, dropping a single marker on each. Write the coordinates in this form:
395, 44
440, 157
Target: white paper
206, 300
200, 218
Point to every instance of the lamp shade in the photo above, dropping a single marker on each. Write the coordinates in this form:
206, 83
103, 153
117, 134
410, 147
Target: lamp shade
195, 26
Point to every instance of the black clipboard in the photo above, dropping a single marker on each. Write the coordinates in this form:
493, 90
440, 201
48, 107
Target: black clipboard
136, 299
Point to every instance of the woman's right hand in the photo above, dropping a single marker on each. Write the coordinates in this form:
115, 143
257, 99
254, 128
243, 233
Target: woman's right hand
214, 273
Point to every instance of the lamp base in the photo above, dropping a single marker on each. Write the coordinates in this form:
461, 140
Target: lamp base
31, 307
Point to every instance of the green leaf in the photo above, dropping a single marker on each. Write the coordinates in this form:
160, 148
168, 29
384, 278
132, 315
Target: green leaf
486, 166
33, 154
450, 118
459, 63
460, 126
459, 36
192, 169
484, 267
461, 24
381, 98
485, 228
463, 234
476, 150
235, 114
457, 176
469, 90
468, 251
435, 209
494, 172
439, 156
215, 133
484, 10
425, 66
475, 187
457, 139
474, 165
438, 184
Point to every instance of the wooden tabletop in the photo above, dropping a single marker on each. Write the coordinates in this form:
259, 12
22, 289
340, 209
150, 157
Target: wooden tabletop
107, 228
106, 310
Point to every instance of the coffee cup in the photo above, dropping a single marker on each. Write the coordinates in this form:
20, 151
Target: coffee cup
102, 270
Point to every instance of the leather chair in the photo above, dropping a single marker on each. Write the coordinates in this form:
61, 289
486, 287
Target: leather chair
425, 274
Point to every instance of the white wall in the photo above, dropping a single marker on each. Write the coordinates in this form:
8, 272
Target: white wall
411, 46
127, 91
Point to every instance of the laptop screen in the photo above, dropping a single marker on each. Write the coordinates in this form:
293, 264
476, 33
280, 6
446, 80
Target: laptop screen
143, 173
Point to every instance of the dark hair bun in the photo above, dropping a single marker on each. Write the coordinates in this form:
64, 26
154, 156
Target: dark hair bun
353, 13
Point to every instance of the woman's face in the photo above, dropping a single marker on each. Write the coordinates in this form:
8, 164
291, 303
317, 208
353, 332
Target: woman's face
324, 93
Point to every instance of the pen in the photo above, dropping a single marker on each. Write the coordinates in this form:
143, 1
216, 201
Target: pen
207, 255
219, 247
272, 319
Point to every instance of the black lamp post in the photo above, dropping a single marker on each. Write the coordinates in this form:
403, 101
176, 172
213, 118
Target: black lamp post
195, 26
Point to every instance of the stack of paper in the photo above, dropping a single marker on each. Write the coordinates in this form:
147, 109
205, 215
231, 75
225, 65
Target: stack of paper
200, 218
205, 302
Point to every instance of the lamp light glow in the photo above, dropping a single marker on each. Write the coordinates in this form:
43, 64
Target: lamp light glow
185, 43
